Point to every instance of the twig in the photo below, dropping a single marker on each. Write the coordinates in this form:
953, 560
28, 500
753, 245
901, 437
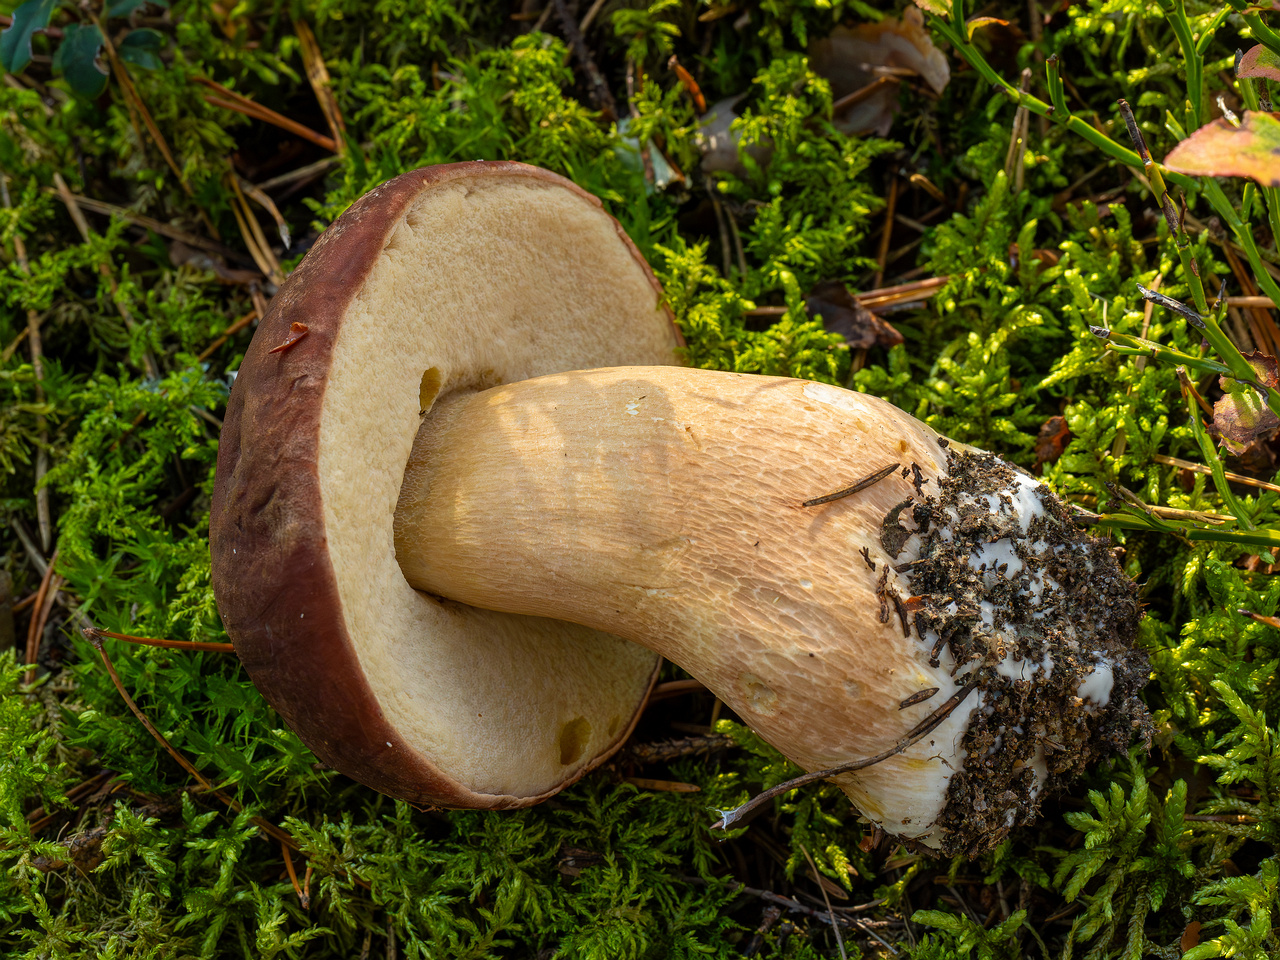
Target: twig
862, 93
599, 89
33, 554
591, 15
44, 520
921, 730
667, 750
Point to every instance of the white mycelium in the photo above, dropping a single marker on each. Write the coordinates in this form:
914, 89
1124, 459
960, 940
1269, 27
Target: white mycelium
983, 564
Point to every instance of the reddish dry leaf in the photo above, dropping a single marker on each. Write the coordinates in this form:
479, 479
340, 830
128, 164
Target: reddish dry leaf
1242, 416
1052, 440
1222, 150
939, 8
1260, 62
849, 56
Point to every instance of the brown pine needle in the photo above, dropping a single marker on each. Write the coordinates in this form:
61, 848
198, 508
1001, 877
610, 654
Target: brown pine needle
93, 635
230, 100
856, 488
228, 333
303, 898
39, 617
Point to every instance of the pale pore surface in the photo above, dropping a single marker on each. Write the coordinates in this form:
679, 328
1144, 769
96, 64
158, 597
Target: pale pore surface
664, 505
486, 282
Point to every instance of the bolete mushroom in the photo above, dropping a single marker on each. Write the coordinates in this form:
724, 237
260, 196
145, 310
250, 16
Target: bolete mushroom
464, 495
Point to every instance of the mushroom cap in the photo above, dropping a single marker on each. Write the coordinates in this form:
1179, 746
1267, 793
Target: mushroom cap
446, 279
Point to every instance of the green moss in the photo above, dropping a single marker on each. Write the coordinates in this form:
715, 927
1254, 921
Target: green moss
153, 867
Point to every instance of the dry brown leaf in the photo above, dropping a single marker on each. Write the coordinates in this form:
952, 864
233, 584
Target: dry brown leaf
1242, 416
841, 313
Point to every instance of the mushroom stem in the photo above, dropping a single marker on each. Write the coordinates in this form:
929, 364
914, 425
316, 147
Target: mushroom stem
665, 505
676, 508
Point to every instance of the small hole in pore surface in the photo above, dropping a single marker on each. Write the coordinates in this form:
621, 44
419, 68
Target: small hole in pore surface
573, 739
430, 388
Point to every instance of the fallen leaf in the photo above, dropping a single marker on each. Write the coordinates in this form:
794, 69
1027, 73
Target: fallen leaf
1052, 440
1260, 62
939, 8
848, 59
1241, 415
841, 313
1219, 149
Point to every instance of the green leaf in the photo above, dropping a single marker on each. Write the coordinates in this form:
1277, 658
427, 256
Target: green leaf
1219, 149
142, 47
15, 42
77, 60
122, 8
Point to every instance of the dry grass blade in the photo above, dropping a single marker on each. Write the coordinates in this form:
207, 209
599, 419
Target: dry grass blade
261, 199
156, 226
825, 899
1201, 468
318, 75
138, 109
882, 258
253, 236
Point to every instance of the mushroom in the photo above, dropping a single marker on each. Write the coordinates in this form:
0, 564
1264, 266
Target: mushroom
457, 516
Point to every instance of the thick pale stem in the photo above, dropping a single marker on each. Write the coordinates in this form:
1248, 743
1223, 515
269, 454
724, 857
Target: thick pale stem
665, 505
